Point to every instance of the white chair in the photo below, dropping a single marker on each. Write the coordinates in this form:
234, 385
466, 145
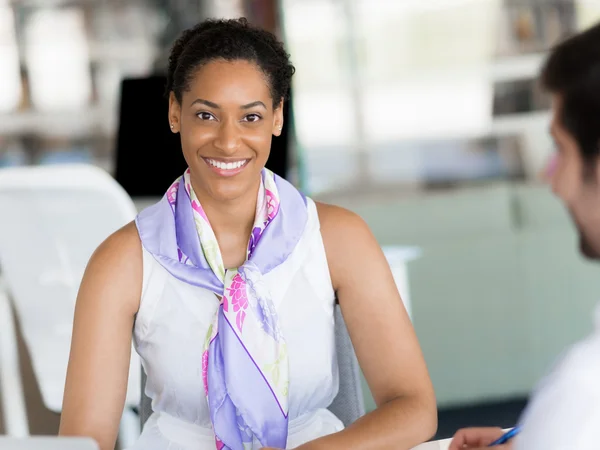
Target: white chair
52, 219
11, 388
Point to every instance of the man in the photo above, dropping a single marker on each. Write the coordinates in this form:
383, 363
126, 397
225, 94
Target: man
564, 413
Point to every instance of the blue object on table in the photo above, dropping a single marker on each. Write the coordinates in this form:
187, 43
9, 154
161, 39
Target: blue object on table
506, 437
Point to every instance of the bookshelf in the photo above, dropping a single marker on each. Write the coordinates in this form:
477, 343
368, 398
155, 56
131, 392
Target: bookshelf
454, 74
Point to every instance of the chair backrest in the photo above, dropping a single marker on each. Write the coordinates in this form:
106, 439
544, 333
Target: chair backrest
52, 219
348, 405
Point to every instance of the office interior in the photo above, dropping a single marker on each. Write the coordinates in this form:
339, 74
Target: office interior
424, 117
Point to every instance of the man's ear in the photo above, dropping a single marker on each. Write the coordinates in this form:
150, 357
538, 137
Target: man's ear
597, 169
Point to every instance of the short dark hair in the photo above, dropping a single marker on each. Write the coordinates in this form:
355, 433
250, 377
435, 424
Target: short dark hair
229, 40
572, 71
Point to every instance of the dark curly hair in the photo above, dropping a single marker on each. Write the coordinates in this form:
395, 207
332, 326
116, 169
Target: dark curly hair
573, 72
229, 40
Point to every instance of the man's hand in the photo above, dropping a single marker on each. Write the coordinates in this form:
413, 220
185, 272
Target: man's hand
477, 439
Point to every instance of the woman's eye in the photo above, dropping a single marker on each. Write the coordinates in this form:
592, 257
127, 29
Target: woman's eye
252, 118
205, 116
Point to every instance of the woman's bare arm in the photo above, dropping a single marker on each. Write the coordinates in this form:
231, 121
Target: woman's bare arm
107, 302
383, 337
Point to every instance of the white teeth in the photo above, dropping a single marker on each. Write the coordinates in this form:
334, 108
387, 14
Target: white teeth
226, 166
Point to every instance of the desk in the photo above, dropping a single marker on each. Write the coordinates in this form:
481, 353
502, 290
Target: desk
48, 443
398, 257
434, 445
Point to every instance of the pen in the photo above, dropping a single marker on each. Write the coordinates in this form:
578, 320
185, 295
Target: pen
506, 437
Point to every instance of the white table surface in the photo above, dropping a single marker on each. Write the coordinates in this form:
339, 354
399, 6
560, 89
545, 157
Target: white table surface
54, 443
397, 254
398, 257
434, 445
47, 443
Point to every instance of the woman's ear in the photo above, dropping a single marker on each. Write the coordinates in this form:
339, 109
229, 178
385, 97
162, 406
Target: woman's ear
174, 113
278, 119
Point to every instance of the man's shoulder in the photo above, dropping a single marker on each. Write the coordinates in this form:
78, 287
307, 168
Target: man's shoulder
566, 403
582, 361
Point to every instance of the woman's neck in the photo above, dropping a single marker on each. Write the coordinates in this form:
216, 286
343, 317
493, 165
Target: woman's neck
232, 218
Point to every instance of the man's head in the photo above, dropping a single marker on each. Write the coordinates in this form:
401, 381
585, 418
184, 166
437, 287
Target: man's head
572, 75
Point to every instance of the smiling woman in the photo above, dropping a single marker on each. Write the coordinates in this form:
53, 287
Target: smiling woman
230, 133
227, 102
230, 282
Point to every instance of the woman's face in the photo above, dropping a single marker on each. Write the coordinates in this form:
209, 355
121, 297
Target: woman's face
226, 119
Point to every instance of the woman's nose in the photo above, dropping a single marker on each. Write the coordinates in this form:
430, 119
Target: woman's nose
228, 138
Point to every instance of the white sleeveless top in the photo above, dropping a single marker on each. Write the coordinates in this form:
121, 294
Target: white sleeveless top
171, 326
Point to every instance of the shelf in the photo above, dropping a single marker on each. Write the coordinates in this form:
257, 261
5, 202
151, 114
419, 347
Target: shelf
503, 69
517, 68
126, 51
72, 124
521, 123
508, 125
504, 126
47, 3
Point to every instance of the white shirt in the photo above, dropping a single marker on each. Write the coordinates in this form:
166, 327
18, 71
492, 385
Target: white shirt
173, 321
564, 413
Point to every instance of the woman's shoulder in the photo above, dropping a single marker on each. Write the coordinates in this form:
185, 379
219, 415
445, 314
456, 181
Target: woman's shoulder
115, 268
345, 235
339, 223
123, 247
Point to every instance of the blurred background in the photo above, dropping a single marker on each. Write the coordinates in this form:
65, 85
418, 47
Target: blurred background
423, 116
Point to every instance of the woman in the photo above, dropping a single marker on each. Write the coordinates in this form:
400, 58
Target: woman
229, 285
